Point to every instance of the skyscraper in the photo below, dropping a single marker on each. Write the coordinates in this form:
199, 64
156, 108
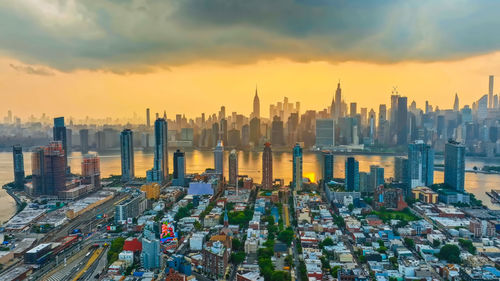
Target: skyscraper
127, 155
490, 91
267, 167
456, 104
297, 167
91, 170
325, 133
60, 134
482, 108
48, 165
179, 173
159, 173
351, 174
233, 167
328, 161
84, 141
402, 121
353, 110
18, 160
148, 120
338, 102
376, 177
454, 165
256, 105
277, 132
255, 131
219, 159
420, 164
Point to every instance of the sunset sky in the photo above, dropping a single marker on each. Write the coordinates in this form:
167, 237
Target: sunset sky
113, 58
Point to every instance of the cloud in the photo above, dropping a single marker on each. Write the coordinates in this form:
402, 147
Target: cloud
139, 35
28, 69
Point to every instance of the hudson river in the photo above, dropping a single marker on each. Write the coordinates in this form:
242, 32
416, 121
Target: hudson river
250, 164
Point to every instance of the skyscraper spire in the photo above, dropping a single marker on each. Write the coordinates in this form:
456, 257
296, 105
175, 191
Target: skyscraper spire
256, 104
456, 104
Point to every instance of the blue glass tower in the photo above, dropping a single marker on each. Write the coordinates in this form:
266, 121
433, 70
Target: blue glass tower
351, 174
420, 164
454, 165
328, 160
159, 173
18, 160
297, 167
59, 132
127, 154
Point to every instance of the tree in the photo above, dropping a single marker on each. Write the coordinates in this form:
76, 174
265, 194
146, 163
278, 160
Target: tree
335, 271
280, 275
237, 245
435, 243
237, 257
197, 225
286, 236
450, 253
409, 243
327, 242
467, 244
350, 207
289, 260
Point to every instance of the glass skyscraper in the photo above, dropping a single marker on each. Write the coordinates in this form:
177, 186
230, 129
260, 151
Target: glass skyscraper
454, 165
421, 164
127, 155
219, 158
267, 167
351, 174
328, 160
18, 160
60, 134
179, 173
297, 167
325, 133
159, 173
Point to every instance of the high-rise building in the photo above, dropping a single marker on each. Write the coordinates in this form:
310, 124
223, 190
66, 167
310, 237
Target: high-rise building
255, 131
48, 166
159, 173
148, 118
376, 177
454, 165
482, 108
256, 105
91, 170
401, 173
233, 167
18, 160
277, 132
60, 134
325, 133
127, 155
351, 174
267, 167
297, 167
151, 252
328, 161
490, 91
456, 104
219, 159
420, 164
84, 141
402, 121
179, 173
338, 102
353, 110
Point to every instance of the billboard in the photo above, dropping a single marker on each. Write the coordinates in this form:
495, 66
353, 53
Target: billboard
168, 233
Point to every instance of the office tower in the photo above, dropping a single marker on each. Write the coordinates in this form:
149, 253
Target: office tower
179, 168
219, 158
495, 101
376, 177
338, 102
490, 91
297, 167
233, 167
256, 105
482, 108
393, 112
148, 120
60, 134
91, 170
456, 104
245, 135
293, 128
353, 111
382, 114
215, 133
84, 141
223, 130
351, 174
255, 131
222, 113
401, 173
18, 160
364, 116
277, 133
454, 165
371, 125
328, 161
364, 183
233, 138
151, 252
402, 120
159, 173
420, 164
48, 166
127, 155
267, 167
325, 133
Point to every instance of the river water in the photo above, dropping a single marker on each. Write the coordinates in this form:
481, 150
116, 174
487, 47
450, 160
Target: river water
250, 164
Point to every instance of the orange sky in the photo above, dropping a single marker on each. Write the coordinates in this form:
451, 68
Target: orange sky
205, 86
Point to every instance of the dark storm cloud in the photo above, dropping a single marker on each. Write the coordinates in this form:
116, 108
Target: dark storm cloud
140, 36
